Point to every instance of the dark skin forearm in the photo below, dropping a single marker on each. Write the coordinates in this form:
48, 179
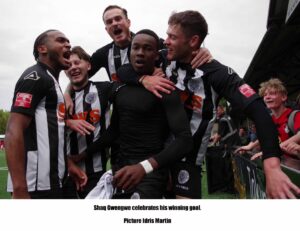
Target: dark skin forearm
15, 153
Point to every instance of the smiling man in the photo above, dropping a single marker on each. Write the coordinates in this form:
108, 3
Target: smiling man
90, 115
200, 88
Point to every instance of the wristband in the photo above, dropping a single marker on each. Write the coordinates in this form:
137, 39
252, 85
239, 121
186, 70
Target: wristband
147, 166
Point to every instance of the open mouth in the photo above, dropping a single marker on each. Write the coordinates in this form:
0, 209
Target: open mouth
268, 101
139, 62
67, 55
117, 31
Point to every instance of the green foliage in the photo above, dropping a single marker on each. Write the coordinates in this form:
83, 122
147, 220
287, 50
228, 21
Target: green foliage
3, 177
3, 120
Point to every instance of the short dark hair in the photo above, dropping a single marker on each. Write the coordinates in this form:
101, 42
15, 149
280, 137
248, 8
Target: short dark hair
191, 22
81, 53
151, 33
40, 40
110, 7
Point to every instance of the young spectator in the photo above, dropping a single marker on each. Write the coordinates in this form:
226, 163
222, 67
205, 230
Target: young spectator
275, 96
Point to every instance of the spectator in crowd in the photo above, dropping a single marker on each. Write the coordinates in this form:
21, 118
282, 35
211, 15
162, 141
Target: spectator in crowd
274, 94
227, 134
243, 136
253, 143
252, 133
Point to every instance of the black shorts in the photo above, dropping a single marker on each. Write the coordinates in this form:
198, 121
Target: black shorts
69, 187
152, 186
186, 180
56, 193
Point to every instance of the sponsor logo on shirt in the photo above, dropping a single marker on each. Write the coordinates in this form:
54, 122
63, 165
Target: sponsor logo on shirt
61, 112
230, 71
92, 116
246, 90
23, 100
193, 102
114, 77
32, 76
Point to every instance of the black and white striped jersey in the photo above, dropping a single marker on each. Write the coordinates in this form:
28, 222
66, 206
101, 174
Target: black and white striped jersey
112, 57
200, 89
90, 104
38, 95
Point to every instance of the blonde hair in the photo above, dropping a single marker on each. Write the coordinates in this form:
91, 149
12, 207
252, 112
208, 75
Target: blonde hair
273, 83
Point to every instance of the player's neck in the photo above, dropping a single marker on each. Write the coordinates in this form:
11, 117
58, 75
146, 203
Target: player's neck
53, 70
123, 44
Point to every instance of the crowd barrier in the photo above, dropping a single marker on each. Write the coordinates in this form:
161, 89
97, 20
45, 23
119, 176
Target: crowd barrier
225, 168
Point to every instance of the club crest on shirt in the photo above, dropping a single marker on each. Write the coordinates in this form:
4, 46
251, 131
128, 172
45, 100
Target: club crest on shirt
183, 176
135, 195
90, 97
194, 85
286, 129
33, 76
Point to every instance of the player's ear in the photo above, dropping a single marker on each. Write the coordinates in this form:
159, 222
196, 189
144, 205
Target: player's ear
89, 66
129, 22
42, 49
195, 41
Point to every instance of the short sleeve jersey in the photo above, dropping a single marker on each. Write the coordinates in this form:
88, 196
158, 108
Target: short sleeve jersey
38, 95
282, 124
112, 57
91, 104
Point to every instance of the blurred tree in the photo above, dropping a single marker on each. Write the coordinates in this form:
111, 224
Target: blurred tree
3, 120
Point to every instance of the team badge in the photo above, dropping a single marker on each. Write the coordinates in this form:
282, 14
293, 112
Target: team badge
90, 97
183, 176
246, 90
286, 129
194, 85
32, 76
135, 195
23, 100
